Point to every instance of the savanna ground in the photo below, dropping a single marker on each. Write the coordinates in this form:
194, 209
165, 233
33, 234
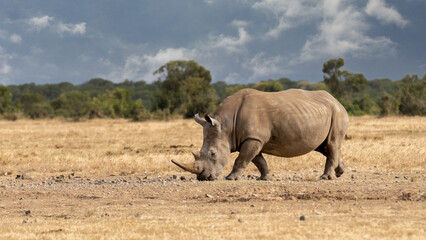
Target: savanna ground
113, 179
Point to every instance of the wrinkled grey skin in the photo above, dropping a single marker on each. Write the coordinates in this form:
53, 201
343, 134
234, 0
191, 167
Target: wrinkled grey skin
286, 124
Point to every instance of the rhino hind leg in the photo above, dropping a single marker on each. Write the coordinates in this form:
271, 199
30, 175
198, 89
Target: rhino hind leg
331, 164
340, 169
262, 166
330, 148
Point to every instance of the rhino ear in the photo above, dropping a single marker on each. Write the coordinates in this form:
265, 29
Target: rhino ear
199, 120
212, 121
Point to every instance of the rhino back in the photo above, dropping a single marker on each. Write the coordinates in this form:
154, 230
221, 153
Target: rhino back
288, 123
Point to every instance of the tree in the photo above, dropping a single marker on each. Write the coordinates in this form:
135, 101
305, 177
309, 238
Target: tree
388, 104
73, 104
5, 99
354, 82
33, 105
139, 112
48, 91
376, 88
231, 89
269, 86
334, 78
412, 95
186, 88
348, 88
96, 86
366, 105
287, 83
113, 103
220, 89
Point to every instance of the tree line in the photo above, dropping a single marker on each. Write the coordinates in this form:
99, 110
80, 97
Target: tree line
184, 88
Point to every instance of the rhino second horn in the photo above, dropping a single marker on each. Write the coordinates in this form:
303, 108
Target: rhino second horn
187, 167
197, 154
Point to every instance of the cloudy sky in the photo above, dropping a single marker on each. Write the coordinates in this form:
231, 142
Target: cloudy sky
239, 41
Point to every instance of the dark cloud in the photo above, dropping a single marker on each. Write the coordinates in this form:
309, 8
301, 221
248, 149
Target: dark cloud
239, 41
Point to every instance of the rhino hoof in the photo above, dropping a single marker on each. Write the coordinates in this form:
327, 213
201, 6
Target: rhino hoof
231, 177
340, 170
327, 177
265, 178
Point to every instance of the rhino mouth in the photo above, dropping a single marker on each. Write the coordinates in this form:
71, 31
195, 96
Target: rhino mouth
204, 177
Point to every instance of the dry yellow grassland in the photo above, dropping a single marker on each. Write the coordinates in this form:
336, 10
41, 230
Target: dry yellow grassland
112, 179
104, 147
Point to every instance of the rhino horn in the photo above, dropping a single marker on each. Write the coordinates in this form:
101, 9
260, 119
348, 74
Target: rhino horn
192, 168
197, 154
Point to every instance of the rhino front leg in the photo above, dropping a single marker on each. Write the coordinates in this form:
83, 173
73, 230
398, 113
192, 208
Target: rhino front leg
262, 166
249, 150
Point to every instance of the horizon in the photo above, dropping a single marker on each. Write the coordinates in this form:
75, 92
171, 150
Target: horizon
213, 82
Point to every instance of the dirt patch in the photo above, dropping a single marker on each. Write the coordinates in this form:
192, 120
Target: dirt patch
56, 203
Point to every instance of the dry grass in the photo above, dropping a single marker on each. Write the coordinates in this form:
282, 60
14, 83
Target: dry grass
97, 147
373, 204
105, 147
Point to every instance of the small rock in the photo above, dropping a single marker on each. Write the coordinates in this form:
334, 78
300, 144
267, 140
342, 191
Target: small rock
240, 220
27, 212
24, 176
302, 218
174, 177
208, 195
252, 205
233, 212
182, 178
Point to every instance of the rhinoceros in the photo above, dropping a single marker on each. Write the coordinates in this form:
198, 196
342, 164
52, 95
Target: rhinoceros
286, 124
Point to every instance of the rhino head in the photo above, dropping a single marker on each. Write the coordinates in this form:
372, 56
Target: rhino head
214, 153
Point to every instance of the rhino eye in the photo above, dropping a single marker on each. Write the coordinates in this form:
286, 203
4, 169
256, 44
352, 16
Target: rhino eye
212, 154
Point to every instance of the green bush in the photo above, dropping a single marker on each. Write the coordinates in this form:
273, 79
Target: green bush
73, 104
269, 86
34, 106
139, 112
5, 99
113, 103
388, 104
412, 95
